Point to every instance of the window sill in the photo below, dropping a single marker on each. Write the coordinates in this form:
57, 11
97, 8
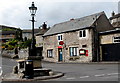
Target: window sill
49, 57
74, 58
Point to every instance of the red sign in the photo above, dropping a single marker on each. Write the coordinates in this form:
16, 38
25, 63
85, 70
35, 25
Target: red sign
86, 52
60, 47
61, 43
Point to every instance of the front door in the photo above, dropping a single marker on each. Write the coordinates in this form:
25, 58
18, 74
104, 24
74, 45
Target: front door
60, 58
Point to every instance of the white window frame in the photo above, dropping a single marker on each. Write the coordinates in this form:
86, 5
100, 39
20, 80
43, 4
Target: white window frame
61, 37
82, 33
116, 39
74, 51
50, 53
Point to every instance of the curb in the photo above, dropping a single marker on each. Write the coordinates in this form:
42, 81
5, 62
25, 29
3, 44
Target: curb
115, 62
36, 78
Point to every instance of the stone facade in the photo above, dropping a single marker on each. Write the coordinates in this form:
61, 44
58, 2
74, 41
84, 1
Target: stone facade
39, 41
75, 40
70, 39
112, 40
109, 38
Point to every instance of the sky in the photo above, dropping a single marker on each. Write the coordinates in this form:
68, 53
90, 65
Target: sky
15, 13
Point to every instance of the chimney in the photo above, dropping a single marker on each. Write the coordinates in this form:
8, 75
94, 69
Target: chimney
71, 19
44, 26
113, 13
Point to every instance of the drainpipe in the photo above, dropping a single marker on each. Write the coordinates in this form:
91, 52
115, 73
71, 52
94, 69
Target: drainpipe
64, 47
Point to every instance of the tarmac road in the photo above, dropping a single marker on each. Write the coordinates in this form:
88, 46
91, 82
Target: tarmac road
74, 72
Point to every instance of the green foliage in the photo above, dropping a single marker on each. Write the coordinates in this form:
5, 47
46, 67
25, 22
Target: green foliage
25, 44
7, 29
11, 44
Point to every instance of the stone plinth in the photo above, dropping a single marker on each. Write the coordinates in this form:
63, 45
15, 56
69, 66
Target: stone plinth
36, 61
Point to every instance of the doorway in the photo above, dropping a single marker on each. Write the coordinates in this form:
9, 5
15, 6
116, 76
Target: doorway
60, 58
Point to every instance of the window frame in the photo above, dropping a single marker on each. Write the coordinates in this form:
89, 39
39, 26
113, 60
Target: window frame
74, 51
59, 37
82, 33
50, 53
116, 39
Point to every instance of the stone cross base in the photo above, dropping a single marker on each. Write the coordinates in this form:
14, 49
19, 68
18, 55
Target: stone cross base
36, 61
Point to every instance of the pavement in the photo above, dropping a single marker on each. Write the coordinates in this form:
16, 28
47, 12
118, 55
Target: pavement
15, 77
101, 62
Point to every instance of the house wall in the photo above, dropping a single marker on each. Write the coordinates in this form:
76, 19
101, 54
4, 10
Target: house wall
108, 39
39, 41
70, 39
103, 24
28, 35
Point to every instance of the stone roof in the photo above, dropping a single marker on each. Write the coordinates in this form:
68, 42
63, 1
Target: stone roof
115, 16
30, 31
42, 31
3, 26
117, 30
8, 32
116, 24
74, 24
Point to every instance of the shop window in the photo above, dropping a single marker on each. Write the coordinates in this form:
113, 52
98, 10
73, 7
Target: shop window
73, 51
50, 53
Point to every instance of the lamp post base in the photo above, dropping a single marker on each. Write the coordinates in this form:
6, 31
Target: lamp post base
36, 61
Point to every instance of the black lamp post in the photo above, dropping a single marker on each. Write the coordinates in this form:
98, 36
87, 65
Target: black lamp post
32, 49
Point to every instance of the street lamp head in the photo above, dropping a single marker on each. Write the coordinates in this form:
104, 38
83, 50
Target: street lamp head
33, 9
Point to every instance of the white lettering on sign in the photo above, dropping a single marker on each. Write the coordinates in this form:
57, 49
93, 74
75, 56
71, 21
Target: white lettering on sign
82, 52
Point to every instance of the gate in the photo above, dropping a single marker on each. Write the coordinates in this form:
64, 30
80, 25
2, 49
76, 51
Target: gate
111, 52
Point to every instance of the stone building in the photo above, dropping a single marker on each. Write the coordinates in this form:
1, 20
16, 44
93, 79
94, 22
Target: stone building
115, 20
9, 33
28, 33
39, 38
110, 45
75, 40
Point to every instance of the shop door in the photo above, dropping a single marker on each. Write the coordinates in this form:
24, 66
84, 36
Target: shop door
60, 58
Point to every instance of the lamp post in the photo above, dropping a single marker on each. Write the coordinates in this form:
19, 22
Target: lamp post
29, 63
32, 50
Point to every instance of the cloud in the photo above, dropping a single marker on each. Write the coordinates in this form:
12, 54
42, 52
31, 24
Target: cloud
16, 12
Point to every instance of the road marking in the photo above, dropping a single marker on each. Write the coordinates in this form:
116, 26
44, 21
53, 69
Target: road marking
84, 76
112, 73
70, 78
1, 71
99, 75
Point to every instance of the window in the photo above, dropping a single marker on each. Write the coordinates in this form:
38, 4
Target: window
50, 53
116, 39
59, 37
82, 33
73, 51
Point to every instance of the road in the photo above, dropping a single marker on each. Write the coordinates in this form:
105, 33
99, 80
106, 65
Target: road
85, 72
74, 72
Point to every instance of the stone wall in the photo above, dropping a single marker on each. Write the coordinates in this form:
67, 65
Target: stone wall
39, 41
11, 53
70, 39
108, 39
